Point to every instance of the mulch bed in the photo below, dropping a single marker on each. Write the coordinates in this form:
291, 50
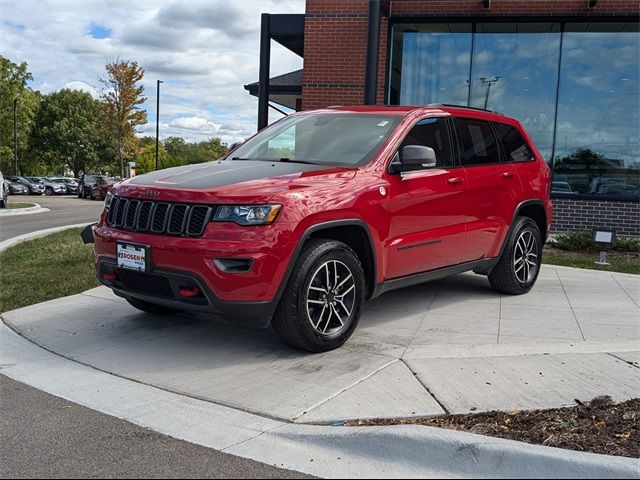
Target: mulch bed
599, 426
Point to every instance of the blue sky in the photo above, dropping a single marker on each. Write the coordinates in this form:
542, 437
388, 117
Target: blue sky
203, 51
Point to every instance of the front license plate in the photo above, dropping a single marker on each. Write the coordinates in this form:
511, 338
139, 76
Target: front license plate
133, 257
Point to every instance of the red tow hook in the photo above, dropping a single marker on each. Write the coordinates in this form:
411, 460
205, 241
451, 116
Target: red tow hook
109, 276
189, 292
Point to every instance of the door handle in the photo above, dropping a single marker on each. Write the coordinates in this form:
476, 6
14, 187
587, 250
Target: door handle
455, 180
507, 174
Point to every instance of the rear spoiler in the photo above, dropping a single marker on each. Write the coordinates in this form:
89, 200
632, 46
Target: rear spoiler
87, 233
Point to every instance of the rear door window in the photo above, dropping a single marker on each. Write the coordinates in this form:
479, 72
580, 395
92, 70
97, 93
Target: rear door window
513, 145
477, 142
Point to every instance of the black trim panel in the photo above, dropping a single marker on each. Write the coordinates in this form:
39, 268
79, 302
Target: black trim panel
326, 226
251, 314
481, 265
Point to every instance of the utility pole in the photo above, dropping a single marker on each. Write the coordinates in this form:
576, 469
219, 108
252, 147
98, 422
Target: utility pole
488, 81
15, 133
157, 119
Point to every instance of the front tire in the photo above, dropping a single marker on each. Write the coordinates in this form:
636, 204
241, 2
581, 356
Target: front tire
323, 301
48, 192
150, 307
517, 270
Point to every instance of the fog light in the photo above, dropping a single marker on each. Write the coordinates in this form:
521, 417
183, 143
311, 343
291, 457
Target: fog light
109, 276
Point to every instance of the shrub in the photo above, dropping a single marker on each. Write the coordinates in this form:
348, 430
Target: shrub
580, 241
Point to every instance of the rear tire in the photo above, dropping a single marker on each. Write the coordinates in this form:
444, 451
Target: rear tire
48, 192
150, 307
517, 270
323, 300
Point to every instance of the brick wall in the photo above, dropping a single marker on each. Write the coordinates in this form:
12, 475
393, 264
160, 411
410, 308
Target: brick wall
336, 38
570, 214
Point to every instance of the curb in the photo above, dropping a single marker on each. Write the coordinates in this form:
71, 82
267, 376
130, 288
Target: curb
37, 234
332, 452
8, 212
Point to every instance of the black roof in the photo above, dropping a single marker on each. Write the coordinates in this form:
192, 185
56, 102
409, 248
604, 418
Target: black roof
288, 83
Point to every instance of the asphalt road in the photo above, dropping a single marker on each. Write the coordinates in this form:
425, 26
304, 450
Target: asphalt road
65, 210
42, 436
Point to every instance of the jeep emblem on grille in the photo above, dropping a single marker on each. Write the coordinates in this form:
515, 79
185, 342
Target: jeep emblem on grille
150, 194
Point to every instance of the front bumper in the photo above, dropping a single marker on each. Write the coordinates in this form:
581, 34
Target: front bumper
252, 293
163, 287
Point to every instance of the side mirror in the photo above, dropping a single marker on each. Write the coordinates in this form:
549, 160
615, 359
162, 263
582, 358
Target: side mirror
235, 145
414, 157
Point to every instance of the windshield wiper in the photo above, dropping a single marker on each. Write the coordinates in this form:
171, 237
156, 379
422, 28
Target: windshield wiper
291, 160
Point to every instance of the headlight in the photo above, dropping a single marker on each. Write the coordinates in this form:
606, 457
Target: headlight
247, 215
108, 198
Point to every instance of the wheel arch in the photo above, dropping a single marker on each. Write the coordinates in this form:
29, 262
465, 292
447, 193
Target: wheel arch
353, 232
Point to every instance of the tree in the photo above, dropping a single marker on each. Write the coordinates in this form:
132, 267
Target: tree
14, 86
146, 159
122, 98
177, 148
68, 132
207, 151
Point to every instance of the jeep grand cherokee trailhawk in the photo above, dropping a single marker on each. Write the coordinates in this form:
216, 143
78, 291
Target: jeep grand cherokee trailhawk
324, 209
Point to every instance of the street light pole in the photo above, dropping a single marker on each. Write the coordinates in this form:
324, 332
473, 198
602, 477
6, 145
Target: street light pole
157, 119
15, 133
488, 82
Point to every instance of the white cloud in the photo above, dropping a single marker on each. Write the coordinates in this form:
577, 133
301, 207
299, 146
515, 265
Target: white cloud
203, 51
83, 87
195, 123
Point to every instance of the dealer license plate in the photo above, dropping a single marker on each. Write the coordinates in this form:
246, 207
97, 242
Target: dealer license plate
133, 257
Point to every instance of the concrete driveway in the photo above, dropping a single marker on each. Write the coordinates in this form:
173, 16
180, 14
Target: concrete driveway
453, 346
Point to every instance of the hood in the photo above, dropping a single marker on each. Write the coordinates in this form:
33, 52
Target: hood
233, 179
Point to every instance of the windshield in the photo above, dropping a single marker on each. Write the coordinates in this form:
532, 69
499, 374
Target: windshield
322, 138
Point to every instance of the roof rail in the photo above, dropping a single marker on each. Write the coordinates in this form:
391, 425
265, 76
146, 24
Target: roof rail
451, 105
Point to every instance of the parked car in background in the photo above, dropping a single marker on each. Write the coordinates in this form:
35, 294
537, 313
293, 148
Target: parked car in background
35, 188
71, 183
50, 188
102, 186
86, 183
4, 191
562, 187
15, 188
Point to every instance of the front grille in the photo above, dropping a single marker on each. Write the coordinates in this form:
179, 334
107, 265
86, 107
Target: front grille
146, 283
159, 217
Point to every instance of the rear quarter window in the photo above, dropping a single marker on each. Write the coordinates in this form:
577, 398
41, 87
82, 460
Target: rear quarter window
513, 144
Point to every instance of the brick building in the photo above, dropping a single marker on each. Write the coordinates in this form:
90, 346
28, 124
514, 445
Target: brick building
567, 69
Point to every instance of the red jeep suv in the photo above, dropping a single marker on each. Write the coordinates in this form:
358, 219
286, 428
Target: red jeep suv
323, 209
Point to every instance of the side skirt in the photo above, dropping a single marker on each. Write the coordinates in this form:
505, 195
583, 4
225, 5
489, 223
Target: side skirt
484, 265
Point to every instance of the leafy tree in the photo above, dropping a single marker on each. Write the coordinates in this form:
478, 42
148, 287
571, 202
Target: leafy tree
146, 159
68, 132
177, 148
122, 98
13, 86
207, 151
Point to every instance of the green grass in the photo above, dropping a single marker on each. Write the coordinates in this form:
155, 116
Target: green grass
619, 262
20, 205
45, 268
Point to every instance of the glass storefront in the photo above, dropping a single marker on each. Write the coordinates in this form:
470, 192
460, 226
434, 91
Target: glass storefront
574, 86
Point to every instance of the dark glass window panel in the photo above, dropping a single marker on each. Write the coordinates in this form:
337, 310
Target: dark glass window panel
432, 132
515, 71
477, 143
513, 145
597, 149
430, 64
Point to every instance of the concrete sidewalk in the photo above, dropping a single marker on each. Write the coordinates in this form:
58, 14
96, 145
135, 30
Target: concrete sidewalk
449, 347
